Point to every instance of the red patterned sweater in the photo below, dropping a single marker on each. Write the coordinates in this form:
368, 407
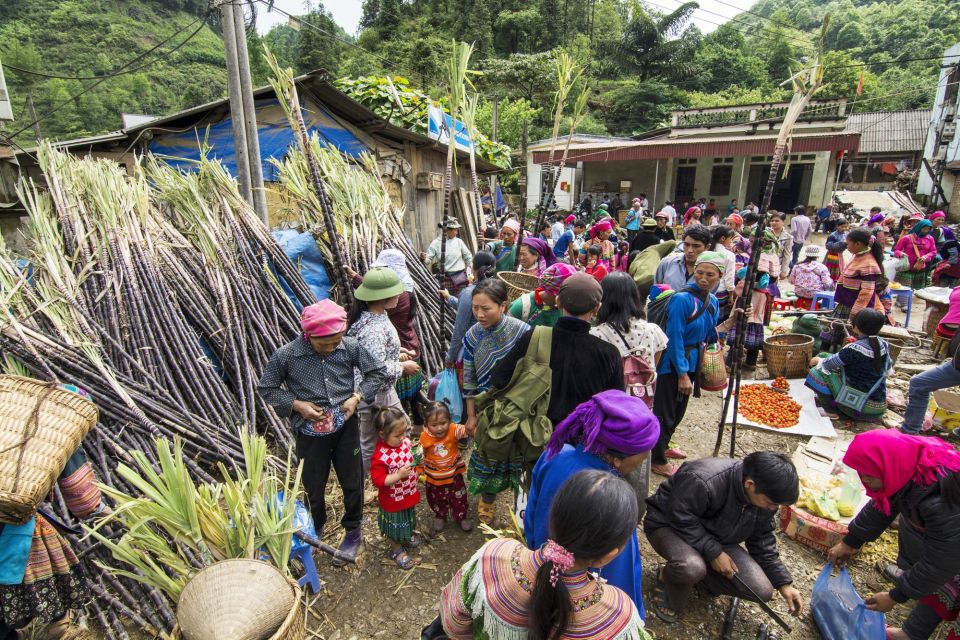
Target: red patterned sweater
386, 460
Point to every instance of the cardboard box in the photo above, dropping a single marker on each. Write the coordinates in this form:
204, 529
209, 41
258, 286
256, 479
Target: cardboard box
945, 407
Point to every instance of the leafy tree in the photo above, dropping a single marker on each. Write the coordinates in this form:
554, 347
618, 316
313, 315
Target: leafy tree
726, 60
480, 28
650, 46
521, 75
318, 46
628, 107
512, 114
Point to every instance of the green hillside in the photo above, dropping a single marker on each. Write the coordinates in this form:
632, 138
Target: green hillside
95, 38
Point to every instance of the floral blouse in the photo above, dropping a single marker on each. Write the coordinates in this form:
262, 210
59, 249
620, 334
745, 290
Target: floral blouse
376, 334
644, 339
810, 277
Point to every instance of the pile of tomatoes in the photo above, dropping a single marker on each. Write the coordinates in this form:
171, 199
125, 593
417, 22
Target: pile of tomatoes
780, 383
761, 404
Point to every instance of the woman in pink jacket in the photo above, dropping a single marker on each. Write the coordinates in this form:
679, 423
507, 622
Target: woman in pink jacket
920, 250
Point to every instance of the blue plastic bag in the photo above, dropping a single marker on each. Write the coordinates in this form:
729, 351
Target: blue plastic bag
448, 390
840, 613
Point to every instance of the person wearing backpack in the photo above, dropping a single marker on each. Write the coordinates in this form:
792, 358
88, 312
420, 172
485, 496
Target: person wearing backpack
621, 323
689, 318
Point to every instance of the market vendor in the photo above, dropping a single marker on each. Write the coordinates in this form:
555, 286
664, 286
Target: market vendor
505, 249
699, 517
38, 568
853, 380
612, 432
457, 257
311, 381
915, 478
539, 307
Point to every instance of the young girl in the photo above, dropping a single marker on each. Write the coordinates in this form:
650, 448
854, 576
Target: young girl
595, 265
836, 243
861, 366
443, 466
761, 303
392, 472
810, 276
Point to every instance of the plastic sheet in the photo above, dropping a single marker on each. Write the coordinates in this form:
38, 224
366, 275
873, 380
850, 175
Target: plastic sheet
839, 611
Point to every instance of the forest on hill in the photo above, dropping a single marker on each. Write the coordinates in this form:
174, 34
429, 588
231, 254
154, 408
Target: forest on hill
643, 58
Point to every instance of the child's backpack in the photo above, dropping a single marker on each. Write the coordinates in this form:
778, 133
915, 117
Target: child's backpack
639, 376
657, 308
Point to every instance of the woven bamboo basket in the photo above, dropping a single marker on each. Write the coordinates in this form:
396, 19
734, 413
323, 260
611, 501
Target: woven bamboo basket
518, 283
788, 355
896, 345
240, 600
41, 425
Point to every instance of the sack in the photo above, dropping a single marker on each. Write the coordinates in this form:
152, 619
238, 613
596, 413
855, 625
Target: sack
840, 613
448, 391
903, 264
639, 376
512, 422
713, 371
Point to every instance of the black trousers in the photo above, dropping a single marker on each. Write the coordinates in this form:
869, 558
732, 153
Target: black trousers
342, 450
669, 406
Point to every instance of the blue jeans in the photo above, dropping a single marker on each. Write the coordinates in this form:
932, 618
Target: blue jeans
921, 386
797, 246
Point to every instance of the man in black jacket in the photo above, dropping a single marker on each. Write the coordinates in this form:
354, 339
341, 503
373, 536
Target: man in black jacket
698, 518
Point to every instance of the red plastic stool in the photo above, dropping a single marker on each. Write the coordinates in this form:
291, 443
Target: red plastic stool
779, 304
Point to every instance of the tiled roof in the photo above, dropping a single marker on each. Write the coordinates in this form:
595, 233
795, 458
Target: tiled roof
890, 131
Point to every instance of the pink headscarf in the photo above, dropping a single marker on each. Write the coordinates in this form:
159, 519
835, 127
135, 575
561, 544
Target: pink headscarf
571, 219
689, 214
898, 459
323, 318
512, 224
936, 214
735, 218
600, 227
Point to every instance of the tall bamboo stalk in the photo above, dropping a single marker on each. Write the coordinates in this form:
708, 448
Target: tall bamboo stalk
806, 83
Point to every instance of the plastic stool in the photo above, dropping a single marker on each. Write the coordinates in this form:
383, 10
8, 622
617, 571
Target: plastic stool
904, 293
779, 304
305, 555
826, 296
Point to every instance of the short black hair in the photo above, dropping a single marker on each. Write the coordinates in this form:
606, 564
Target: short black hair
699, 233
594, 250
722, 232
579, 223
774, 476
875, 209
750, 218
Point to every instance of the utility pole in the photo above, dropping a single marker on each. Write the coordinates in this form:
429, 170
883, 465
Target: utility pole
33, 116
250, 118
236, 100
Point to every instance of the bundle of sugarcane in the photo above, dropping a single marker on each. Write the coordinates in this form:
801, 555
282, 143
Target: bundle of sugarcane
366, 221
162, 295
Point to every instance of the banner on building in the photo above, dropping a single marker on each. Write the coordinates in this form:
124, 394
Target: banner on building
439, 124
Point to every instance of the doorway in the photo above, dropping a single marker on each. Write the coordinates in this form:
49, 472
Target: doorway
788, 192
686, 180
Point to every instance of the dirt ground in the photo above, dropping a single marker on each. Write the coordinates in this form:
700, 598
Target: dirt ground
376, 600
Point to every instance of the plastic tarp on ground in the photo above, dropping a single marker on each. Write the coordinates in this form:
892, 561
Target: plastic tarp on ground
182, 150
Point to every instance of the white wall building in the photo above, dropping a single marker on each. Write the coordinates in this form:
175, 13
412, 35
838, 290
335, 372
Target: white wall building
941, 153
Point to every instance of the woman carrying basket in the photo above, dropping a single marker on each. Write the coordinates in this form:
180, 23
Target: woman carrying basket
38, 577
918, 250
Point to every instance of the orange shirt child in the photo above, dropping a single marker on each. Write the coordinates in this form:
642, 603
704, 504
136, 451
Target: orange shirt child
441, 456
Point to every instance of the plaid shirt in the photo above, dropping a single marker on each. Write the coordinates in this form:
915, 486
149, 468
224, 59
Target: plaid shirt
323, 380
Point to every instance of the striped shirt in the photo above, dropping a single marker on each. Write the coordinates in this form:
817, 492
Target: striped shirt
484, 348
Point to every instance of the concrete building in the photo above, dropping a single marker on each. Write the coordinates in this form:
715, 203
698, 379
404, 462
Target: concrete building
721, 153
941, 153
890, 142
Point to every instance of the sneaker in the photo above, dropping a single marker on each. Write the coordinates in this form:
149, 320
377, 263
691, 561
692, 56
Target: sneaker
350, 546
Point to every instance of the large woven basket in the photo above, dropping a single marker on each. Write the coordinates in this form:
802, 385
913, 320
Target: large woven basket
788, 355
41, 425
240, 600
518, 283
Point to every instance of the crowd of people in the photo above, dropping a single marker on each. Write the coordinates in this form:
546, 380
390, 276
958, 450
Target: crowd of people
571, 390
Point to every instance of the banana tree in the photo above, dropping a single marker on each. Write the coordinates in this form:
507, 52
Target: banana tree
806, 83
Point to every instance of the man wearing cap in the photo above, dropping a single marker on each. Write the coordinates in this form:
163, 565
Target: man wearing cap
310, 380
582, 365
663, 229
632, 220
647, 236
457, 257
800, 231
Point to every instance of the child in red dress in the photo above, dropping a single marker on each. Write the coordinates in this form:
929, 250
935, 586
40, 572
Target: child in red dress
392, 472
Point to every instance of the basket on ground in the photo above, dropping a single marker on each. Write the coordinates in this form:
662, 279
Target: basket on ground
896, 345
788, 355
518, 283
41, 425
240, 600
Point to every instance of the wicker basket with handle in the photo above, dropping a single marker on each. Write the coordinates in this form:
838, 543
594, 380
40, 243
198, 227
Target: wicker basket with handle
41, 425
240, 600
788, 355
518, 283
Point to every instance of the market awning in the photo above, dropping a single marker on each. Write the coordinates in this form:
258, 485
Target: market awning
703, 147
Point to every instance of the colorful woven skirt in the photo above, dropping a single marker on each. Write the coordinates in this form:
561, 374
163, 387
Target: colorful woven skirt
915, 279
408, 386
50, 586
828, 384
832, 263
946, 602
398, 525
487, 476
753, 336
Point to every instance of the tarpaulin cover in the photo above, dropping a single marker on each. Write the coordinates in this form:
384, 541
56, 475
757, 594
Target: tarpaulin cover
182, 150
302, 250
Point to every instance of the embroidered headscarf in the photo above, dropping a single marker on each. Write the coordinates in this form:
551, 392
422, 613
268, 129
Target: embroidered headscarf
393, 259
898, 459
323, 318
612, 421
713, 257
922, 224
553, 276
545, 256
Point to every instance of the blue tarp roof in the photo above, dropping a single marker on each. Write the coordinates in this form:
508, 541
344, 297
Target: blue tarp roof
182, 150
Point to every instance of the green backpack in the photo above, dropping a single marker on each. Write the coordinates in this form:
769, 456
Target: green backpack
512, 422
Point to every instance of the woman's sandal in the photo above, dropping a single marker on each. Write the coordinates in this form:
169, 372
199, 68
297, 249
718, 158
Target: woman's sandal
486, 512
661, 603
665, 470
401, 558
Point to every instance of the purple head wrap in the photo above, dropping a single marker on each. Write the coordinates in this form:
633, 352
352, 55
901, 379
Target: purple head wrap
610, 421
877, 217
543, 250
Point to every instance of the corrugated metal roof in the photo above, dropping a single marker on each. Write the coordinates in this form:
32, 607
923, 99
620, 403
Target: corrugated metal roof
890, 131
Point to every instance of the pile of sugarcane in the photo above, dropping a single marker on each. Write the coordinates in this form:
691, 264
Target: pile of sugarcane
163, 295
